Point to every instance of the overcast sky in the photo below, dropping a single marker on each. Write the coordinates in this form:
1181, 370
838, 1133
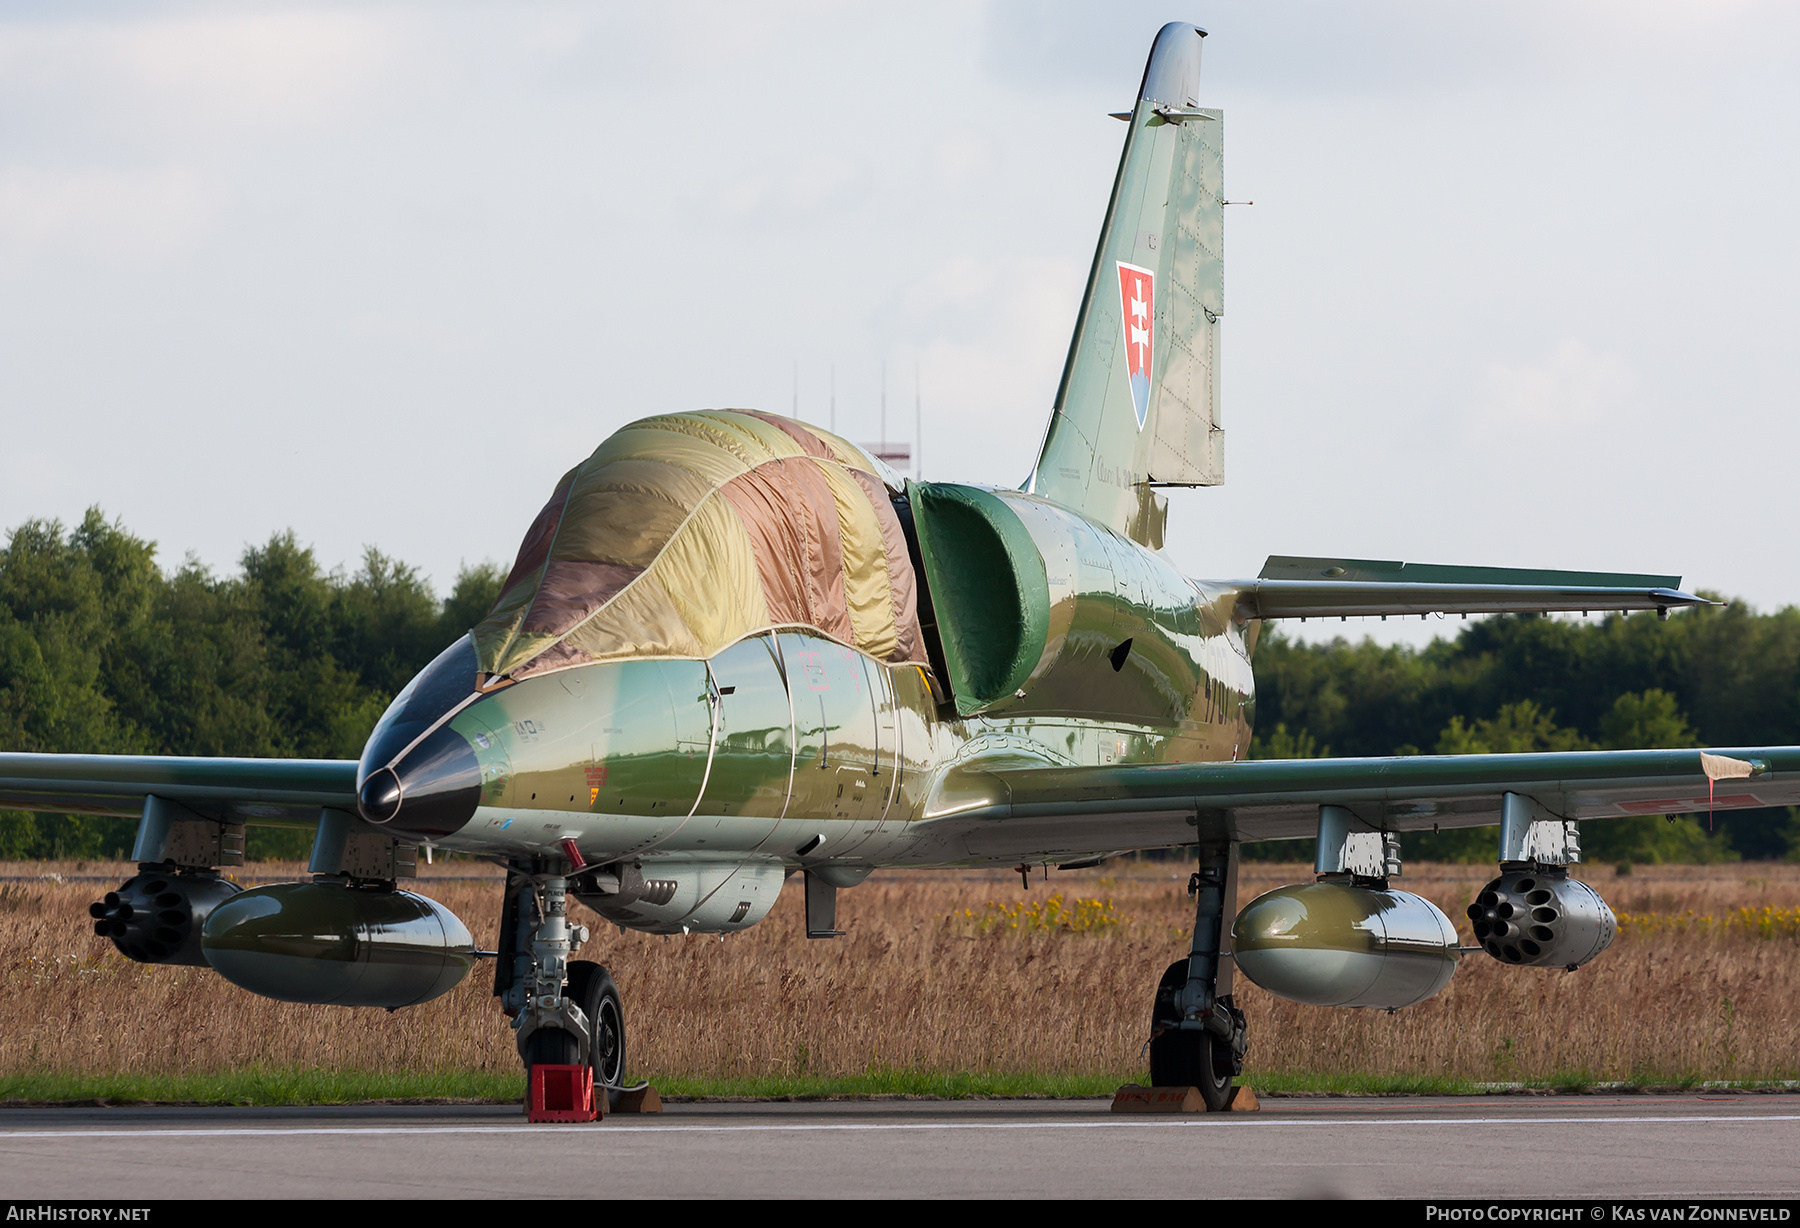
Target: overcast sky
1518, 287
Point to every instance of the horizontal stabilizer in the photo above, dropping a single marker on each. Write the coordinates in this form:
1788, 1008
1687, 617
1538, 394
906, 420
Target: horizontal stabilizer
1364, 598
1382, 571
1294, 587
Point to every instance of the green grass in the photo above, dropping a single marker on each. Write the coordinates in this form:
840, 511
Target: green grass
272, 1087
317, 1087
261, 1087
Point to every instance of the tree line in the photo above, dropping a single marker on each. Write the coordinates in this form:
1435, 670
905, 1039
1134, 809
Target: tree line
1709, 676
102, 650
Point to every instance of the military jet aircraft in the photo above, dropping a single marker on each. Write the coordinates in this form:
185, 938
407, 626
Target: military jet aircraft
735, 648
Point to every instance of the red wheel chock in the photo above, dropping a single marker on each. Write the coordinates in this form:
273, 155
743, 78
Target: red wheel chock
562, 1093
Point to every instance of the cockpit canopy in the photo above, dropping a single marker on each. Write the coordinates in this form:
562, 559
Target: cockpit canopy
684, 533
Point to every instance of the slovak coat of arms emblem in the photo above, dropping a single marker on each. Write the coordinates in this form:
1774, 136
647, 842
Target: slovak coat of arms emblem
1137, 311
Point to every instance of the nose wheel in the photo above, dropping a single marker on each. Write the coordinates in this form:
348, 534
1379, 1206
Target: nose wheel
591, 988
1193, 1057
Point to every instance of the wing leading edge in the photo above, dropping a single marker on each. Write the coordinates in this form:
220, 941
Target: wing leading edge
225, 790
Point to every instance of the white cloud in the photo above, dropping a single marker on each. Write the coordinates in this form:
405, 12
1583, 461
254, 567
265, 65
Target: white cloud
232, 70
1570, 388
805, 187
991, 362
103, 214
958, 282
961, 158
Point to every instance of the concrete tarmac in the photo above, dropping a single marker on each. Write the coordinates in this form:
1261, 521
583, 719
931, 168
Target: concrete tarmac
1715, 1145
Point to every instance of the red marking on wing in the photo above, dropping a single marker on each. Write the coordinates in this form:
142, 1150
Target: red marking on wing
1680, 805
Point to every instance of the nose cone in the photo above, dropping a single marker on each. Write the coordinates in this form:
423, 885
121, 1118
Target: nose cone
419, 777
430, 791
379, 797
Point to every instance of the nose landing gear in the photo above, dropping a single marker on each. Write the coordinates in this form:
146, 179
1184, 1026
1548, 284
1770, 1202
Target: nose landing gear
565, 1012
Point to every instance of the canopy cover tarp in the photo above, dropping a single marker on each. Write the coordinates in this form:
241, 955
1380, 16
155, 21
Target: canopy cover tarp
682, 534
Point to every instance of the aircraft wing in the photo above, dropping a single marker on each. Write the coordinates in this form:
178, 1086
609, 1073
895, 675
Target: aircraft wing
226, 790
1051, 811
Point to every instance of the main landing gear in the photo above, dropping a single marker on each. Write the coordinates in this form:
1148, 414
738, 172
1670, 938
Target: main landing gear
1197, 1035
565, 1012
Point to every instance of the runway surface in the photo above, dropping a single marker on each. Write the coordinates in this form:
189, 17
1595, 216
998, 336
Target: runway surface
1712, 1145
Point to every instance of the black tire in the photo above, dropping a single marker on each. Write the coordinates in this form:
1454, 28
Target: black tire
552, 1047
1193, 1059
591, 988
1187, 1058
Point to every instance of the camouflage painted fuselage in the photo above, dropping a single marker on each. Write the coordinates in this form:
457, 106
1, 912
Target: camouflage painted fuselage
815, 741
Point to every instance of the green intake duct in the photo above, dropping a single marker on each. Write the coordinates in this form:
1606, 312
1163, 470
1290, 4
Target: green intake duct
988, 587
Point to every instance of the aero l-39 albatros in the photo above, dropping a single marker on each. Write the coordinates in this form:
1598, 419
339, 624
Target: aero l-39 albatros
735, 647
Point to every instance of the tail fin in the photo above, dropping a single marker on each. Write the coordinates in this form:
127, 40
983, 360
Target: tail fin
1138, 405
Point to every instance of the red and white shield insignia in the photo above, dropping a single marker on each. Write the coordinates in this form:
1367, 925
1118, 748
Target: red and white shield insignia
1137, 311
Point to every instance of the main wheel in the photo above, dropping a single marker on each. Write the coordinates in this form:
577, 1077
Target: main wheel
1186, 1058
1193, 1059
591, 988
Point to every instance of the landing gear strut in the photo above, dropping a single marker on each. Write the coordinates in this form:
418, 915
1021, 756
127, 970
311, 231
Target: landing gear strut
1197, 1035
565, 1012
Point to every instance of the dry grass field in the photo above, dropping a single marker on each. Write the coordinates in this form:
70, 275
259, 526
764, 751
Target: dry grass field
933, 977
